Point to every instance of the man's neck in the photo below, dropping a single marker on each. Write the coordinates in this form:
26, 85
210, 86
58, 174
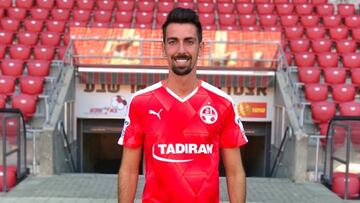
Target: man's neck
182, 86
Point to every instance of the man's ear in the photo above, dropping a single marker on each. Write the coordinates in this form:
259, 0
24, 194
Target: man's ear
163, 50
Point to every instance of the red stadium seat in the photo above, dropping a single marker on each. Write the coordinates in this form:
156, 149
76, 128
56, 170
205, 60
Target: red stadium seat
125, 25
316, 32
10, 177
95, 24
334, 75
245, 8
343, 92
300, 1
33, 25
304, 9
284, 9
24, 3
299, 45
338, 135
50, 38
39, 13
345, 46
61, 52
209, 27
60, 14
325, 9
55, 26
146, 6
338, 183
351, 60
12, 67
310, 20
43, 52
189, 5
6, 37
123, 17
323, 111
349, 109
247, 20
337, 33
227, 19
356, 34
48, 4
205, 7
143, 25
166, 7
272, 28
126, 5
355, 76
74, 23
321, 45
346, 9
105, 5
262, 1
254, 28
103, 16
305, 59
39, 68
225, 7
289, 20
65, 4
86, 4
294, 32
16, 13
332, 21
5, 3
268, 20
3, 101
327, 59
352, 21
315, 92
2, 51
7, 85
10, 24
144, 18
161, 18
229, 27
81, 15
309, 74
265, 8
206, 18
27, 38
20, 51
26, 104
31, 85
281, 1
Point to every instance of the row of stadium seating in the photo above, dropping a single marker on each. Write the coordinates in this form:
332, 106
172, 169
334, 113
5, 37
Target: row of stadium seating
325, 59
243, 7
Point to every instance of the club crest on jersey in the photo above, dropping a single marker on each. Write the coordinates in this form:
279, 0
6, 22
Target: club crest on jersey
208, 114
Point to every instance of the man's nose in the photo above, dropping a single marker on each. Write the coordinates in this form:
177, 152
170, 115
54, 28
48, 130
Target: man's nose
181, 48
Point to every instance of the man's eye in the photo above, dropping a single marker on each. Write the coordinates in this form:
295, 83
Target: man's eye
171, 42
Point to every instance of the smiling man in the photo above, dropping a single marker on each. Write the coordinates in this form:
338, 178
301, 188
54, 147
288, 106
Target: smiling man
182, 125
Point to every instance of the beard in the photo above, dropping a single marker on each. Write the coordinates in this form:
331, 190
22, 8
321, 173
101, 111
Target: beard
181, 70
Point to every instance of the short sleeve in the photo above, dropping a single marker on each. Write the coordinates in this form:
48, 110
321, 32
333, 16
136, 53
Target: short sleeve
233, 134
131, 135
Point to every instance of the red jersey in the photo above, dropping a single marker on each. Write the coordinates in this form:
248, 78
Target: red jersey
181, 138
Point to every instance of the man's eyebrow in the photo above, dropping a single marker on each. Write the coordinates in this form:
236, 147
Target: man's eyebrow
171, 38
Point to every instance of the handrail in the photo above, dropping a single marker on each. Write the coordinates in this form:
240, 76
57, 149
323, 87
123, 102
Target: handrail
67, 146
288, 132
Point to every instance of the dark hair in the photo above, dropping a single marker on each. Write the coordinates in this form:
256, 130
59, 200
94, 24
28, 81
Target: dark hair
183, 15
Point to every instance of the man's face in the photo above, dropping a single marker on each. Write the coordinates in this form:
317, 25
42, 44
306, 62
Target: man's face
181, 47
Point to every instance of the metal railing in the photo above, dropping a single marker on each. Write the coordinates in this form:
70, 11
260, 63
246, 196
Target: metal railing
288, 133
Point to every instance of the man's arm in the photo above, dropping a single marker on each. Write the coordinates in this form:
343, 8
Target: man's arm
235, 175
128, 174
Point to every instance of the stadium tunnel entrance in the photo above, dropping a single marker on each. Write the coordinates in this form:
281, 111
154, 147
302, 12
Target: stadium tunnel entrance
100, 153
